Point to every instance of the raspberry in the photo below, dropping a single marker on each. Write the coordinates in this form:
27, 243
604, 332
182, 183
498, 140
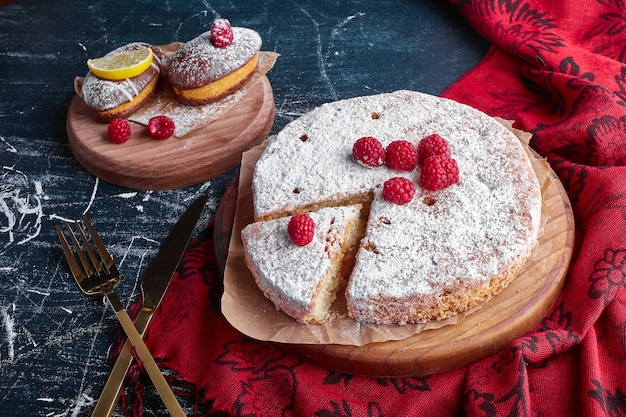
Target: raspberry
439, 172
369, 152
301, 229
221, 33
432, 145
398, 190
161, 127
119, 130
401, 156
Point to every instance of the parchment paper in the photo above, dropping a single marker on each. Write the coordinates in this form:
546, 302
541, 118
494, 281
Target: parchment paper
247, 309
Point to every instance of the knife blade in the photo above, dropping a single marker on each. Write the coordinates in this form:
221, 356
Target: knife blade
154, 284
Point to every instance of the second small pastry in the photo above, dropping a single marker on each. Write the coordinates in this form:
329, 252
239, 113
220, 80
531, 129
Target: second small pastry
214, 64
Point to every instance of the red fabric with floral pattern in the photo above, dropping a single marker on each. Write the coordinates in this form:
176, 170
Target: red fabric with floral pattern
558, 68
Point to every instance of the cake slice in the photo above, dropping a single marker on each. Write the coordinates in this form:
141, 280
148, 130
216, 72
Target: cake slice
303, 281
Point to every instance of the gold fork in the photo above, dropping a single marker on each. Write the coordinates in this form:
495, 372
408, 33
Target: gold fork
99, 275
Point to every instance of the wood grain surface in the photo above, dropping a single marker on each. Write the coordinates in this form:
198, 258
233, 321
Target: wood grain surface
144, 163
506, 317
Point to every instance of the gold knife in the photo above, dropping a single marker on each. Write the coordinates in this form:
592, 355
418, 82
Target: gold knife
153, 286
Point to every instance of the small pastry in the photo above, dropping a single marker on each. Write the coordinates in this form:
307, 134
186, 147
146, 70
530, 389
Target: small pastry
214, 64
119, 98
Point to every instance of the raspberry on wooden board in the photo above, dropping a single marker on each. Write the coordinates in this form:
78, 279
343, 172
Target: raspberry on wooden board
119, 130
161, 127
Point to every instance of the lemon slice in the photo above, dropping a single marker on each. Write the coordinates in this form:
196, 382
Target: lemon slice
123, 65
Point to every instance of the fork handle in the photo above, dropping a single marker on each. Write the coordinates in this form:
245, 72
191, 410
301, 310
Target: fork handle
111, 391
146, 358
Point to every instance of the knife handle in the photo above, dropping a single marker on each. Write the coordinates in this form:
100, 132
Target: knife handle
146, 358
111, 391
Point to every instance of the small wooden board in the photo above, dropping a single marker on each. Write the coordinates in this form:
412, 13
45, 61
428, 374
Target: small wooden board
509, 315
145, 163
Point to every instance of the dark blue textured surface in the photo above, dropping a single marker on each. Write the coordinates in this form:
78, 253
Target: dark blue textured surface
53, 340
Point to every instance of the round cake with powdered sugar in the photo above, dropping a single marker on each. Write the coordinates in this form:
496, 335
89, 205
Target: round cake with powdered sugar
439, 237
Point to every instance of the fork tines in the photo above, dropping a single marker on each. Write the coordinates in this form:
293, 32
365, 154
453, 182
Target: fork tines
95, 270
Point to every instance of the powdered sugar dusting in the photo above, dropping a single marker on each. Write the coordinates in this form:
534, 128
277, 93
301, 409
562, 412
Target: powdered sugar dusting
187, 118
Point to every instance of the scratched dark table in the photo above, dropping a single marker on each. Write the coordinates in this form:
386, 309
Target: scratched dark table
53, 340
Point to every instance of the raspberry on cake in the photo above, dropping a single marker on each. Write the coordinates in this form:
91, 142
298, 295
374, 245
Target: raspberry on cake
443, 252
398, 190
221, 33
401, 155
110, 99
210, 67
369, 152
438, 172
432, 145
301, 229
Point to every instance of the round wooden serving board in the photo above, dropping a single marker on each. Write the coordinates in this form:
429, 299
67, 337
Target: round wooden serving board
145, 163
507, 316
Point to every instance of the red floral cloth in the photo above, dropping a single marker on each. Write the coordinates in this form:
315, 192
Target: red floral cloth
558, 68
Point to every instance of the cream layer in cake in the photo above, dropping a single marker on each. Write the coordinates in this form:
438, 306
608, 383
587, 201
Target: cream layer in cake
444, 252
